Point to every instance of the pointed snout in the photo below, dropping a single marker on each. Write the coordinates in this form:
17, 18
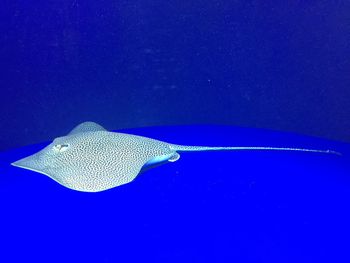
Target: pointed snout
31, 163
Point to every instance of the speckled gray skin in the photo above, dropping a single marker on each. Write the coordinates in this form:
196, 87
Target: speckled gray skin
91, 159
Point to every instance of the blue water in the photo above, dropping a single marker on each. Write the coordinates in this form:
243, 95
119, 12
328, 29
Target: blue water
128, 64
206, 207
136, 63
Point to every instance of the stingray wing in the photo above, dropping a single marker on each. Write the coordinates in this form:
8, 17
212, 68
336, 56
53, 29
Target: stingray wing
89, 174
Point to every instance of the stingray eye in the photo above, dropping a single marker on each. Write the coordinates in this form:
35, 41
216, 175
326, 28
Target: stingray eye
61, 147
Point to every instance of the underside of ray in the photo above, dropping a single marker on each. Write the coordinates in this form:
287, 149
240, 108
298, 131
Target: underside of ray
87, 126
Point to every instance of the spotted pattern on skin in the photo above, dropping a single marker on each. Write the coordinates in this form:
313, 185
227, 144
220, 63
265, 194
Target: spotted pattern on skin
91, 159
96, 161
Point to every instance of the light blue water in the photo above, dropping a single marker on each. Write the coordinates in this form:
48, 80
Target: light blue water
207, 207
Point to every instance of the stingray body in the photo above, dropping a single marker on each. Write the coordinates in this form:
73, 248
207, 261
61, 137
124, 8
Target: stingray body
92, 159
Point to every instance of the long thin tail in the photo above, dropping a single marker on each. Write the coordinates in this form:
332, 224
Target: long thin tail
184, 148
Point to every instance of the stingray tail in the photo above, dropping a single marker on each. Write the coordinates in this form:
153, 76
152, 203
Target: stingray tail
184, 148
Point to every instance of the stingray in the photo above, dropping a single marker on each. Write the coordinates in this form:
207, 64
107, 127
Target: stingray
92, 159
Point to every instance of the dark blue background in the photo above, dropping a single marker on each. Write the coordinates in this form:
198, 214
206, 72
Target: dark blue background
137, 63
